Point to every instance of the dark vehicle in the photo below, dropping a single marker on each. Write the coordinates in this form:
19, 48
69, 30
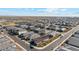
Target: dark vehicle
20, 36
32, 42
31, 47
24, 37
13, 32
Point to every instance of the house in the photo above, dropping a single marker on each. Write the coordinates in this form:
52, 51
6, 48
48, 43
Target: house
43, 31
53, 33
16, 30
24, 26
41, 38
60, 28
23, 36
52, 27
36, 30
73, 41
33, 36
21, 31
63, 29
32, 28
77, 32
38, 25
28, 36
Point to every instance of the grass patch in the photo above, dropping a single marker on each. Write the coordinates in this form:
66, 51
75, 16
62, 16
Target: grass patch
44, 43
7, 23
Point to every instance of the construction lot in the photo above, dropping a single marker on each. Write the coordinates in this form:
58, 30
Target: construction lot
6, 44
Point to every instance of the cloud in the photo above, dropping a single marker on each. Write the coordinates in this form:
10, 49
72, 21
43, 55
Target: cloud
56, 9
51, 10
63, 9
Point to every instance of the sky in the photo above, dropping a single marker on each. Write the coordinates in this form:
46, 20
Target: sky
39, 11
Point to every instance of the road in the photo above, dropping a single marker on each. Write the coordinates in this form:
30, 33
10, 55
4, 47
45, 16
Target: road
52, 46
